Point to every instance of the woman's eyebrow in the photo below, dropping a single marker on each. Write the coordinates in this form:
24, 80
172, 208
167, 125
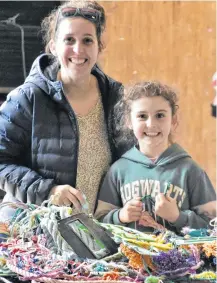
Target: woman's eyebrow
161, 110
86, 34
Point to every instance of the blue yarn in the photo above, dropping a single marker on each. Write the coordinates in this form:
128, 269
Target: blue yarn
3, 237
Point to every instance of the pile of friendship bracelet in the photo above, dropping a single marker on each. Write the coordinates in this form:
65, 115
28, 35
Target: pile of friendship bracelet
31, 248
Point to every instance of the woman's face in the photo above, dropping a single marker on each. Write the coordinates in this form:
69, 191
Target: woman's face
76, 47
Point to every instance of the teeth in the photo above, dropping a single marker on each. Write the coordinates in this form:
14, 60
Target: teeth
77, 61
151, 134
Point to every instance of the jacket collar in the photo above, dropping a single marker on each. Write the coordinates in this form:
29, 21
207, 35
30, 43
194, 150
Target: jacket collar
44, 73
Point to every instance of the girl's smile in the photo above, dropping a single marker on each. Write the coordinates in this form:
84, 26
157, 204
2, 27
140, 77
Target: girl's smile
152, 123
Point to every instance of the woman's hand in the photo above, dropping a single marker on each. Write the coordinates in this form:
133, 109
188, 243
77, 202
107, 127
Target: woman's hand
131, 211
166, 207
65, 195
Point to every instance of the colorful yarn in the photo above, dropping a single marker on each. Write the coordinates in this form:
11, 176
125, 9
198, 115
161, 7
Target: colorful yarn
206, 275
194, 232
29, 253
153, 279
4, 232
135, 259
100, 267
110, 276
148, 245
210, 249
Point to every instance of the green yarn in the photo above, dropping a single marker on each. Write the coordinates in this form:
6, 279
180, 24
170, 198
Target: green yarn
152, 279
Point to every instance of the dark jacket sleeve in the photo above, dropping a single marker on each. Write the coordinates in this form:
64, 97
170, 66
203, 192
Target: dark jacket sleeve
109, 200
15, 144
202, 199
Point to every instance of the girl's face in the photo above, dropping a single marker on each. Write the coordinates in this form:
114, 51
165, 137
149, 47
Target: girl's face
76, 47
152, 122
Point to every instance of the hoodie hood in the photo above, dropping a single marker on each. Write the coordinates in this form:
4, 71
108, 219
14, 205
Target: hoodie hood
170, 155
44, 73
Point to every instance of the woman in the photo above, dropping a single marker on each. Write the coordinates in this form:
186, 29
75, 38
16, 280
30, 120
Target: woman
56, 130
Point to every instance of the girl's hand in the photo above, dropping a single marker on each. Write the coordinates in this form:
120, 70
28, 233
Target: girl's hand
166, 207
131, 211
65, 195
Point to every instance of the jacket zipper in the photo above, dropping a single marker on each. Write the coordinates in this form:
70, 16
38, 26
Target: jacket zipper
73, 119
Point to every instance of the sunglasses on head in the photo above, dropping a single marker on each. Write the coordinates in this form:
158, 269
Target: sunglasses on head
88, 14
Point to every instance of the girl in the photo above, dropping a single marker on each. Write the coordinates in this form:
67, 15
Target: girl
156, 181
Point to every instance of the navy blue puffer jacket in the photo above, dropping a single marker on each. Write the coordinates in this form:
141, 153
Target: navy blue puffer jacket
39, 134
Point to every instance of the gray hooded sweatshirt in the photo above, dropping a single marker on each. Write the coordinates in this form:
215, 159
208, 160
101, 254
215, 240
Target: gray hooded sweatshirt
134, 175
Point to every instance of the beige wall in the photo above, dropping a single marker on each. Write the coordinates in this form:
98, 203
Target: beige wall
174, 42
